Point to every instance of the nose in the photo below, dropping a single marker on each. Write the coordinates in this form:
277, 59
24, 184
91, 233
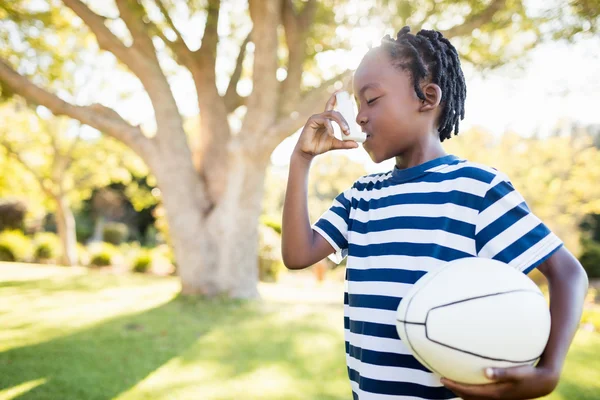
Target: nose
361, 118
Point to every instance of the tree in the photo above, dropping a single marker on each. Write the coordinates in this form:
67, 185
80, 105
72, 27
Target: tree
212, 194
65, 167
556, 175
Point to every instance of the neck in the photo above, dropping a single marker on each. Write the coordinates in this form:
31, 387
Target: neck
425, 150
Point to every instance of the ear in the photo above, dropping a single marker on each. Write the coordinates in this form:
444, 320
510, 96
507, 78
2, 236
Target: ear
433, 97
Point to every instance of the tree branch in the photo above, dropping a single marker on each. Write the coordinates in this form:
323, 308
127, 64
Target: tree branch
474, 21
311, 103
97, 116
140, 58
296, 28
133, 14
232, 99
106, 39
266, 15
207, 53
17, 157
165, 13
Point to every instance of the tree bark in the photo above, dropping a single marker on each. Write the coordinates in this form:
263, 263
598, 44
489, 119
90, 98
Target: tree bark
65, 224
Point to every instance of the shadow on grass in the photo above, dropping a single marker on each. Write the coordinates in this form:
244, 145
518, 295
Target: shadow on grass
234, 338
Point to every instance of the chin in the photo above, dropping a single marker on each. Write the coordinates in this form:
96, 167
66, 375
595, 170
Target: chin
376, 158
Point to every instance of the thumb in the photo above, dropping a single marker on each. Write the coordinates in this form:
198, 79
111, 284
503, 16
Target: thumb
344, 144
510, 374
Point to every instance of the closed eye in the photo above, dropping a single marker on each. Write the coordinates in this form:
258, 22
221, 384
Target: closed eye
372, 100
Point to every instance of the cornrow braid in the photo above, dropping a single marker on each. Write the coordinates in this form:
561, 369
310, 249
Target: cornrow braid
428, 54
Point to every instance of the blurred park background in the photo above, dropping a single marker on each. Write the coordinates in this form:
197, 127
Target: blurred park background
144, 148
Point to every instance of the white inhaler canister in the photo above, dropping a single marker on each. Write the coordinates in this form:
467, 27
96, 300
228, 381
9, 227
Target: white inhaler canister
346, 106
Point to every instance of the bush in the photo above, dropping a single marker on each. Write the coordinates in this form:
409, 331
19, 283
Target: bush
142, 262
12, 215
15, 246
101, 259
270, 264
590, 259
102, 254
271, 222
115, 233
46, 246
83, 256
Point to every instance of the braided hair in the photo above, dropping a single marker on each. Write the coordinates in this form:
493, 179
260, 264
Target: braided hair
428, 54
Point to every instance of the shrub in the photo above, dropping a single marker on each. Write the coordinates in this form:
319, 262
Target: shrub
15, 246
271, 222
101, 259
102, 254
590, 259
115, 233
12, 215
46, 246
270, 264
142, 262
83, 256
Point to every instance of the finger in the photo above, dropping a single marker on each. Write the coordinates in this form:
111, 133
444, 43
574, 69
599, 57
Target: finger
486, 391
511, 374
331, 102
337, 117
329, 127
338, 144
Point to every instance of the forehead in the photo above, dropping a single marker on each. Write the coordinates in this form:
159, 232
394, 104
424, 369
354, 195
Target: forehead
376, 68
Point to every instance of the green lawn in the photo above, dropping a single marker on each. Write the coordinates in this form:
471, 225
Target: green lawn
74, 334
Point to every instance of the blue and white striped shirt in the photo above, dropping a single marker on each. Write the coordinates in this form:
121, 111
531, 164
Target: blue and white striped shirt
395, 227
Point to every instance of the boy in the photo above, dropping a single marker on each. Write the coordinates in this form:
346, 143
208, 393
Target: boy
431, 209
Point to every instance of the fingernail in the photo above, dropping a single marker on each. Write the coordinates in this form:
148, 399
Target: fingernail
489, 372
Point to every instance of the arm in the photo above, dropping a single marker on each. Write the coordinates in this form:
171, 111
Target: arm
301, 246
568, 286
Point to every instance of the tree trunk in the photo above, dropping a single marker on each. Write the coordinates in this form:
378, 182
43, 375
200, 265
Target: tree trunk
65, 223
216, 254
98, 235
233, 225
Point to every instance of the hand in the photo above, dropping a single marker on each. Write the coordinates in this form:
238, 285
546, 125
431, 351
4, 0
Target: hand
517, 383
317, 136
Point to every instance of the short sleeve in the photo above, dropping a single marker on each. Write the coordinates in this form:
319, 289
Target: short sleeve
333, 225
506, 230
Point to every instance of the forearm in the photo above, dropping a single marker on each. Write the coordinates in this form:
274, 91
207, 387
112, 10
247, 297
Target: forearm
296, 232
568, 286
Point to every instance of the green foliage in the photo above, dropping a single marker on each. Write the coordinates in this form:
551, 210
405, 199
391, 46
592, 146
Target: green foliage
590, 259
101, 259
102, 254
270, 264
15, 246
115, 233
558, 176
142, 262
273, 223
84, 227
590, 227
46, 246
12, 214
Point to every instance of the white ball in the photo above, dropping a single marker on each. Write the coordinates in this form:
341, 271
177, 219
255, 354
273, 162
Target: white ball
472, 314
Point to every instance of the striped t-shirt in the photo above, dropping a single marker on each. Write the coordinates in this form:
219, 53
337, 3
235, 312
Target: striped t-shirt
395, 227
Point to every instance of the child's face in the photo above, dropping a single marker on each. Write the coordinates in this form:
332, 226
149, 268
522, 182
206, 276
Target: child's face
388, 107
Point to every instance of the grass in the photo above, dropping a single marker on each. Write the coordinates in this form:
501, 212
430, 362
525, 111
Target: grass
70, 333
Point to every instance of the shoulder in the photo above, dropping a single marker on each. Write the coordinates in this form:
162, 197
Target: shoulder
475, 171
372, 181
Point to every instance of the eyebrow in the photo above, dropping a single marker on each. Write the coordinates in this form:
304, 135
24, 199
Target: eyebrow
371, 85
